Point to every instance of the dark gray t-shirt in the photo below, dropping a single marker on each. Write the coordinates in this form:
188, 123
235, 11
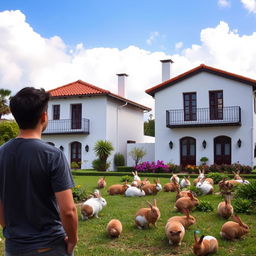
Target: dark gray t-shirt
30, 172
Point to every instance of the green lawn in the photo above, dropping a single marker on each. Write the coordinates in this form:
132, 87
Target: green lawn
133, 242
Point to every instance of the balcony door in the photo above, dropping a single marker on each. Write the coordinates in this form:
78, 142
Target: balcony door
216, 105
76, 116
222, 150
189, 100
76, 152
187, 151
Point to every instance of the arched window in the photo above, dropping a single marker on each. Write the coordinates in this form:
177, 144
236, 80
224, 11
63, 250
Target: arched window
187, 151
76, 152
222, 150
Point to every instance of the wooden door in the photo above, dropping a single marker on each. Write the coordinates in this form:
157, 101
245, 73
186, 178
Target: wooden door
189, 101
76, 116
76, 153
187, 151
222, 150
216, 105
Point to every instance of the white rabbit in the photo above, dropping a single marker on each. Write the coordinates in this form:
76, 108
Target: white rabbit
175, 178
134, 191
93, 206
185, 182
205, 187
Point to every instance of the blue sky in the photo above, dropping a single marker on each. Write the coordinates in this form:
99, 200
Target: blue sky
52, 43
115, 23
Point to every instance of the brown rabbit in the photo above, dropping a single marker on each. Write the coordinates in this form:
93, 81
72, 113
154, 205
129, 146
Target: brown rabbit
225, 209
152, 189
102, 182
114, 228
183, 193
175, 232
205, 245
171, 186
118, 189
237, 175
186, 221
232, 230
146, 216
186, 203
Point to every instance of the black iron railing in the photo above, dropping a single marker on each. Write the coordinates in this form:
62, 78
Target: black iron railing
68, 126
202, 117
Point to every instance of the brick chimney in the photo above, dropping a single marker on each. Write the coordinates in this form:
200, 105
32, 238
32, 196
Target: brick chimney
121, 84
166, 69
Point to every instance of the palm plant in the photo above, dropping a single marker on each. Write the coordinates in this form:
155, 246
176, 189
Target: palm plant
103, 150
4, 108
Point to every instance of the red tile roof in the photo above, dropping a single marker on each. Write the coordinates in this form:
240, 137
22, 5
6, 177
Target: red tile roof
81, 88
202, 67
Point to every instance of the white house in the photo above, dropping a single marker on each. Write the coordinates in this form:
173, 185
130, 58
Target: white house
80, 114
205, 112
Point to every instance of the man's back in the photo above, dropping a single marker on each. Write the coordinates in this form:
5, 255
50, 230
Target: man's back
31, 171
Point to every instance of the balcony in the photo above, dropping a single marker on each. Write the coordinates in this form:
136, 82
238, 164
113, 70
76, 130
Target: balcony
203, 117
68, 126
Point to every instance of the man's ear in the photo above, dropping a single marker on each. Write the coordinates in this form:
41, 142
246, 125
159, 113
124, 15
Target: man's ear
44, 117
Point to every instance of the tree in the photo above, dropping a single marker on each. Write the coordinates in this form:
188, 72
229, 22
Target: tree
149, 126
137, 154
4, 108
8, 130
103, 150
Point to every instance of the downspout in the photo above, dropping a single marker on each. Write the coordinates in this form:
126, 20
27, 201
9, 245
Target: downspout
117, 124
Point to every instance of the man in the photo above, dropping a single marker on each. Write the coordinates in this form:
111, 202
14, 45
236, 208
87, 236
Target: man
37, 211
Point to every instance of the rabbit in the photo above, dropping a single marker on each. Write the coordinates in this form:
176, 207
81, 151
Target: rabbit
134, 191
170, 187
205, 245
175, 232
102, 182
237, 175
183, 193
225, 209
140, 182
185, 182
118, 189
93, 206
152, 189
186, 221
205, 187
232, 230
200, 176
114, 228
186, 203
146, 216
175, 178
225, 186
136, 179
209, 180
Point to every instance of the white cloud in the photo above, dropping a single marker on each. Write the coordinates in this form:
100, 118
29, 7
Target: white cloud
250, 5
152, 37
178, 45
28, 59
224, 3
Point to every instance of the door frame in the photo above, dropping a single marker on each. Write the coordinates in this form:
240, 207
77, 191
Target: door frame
193, 160
78, 152
223, 139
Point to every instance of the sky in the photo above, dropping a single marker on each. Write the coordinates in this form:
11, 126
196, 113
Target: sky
51, 43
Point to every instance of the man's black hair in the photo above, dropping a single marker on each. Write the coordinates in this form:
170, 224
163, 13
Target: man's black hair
28, 105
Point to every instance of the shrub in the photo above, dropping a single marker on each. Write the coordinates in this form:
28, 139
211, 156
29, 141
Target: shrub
100, 165
79, 193
247, 191
173, 168
119, 159
137, 154
253, 171
124, 169
242, 205
191, 168
126, 178
153, 167
217, 177
226, 168
75, 165
204, 159
196, 191
204, 206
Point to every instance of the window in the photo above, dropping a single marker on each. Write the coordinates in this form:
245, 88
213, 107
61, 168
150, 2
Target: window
189, 101
56, 112
216, 105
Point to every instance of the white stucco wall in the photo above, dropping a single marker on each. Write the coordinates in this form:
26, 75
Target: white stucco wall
234, 94
148, 147
124, 122
94, 109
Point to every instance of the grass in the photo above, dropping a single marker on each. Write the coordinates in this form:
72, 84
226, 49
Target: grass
93, 240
